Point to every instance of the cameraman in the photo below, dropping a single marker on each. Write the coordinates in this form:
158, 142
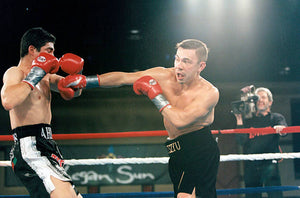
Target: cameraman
262, 172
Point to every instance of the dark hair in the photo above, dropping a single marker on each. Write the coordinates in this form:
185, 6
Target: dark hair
199, 46
37, 37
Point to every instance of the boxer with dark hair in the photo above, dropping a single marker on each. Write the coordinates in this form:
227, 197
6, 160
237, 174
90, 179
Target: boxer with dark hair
26, 94
187, 102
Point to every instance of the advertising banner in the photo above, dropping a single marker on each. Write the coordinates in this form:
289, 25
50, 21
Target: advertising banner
109, 174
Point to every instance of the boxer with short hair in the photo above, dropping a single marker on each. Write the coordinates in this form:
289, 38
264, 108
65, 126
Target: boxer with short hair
26, 94
186, 101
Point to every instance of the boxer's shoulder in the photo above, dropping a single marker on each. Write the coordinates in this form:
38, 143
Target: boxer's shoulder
14, 69
13, 72
160, 73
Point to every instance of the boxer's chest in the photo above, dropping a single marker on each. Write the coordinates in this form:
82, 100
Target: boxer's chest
41, 91
181, 99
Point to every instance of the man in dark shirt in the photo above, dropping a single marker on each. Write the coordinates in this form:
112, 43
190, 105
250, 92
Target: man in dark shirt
262, 172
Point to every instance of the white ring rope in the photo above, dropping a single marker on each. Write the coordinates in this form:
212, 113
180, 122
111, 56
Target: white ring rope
164, 160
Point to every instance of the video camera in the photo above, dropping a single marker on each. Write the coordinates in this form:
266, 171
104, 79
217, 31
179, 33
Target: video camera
246, 106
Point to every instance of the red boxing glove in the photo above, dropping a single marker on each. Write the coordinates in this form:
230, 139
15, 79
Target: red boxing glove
47, 62
66, 93
80, 81
71, 63
41, 65
149, 86
75, 81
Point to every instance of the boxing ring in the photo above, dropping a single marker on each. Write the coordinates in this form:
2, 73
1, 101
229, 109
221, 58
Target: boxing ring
164, 160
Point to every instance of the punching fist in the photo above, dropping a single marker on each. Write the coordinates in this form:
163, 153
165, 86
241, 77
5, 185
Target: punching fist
79, 81
149, 86
71, 63
66, 93
41, 65
75, 81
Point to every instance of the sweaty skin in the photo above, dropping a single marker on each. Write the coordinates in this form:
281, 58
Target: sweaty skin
28, 106
193, 98
185, 100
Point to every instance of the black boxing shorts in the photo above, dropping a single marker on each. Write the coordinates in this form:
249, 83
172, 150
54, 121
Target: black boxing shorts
35, 157
194, 161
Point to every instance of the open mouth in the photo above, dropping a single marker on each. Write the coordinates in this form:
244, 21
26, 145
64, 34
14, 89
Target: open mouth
180, 76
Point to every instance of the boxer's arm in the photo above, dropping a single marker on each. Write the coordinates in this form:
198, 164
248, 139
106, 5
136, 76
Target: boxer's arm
53, 80
14, 90
116, 79
112, 79
196, 110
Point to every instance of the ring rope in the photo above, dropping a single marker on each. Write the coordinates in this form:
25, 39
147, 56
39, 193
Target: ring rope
164, 160
254, 131
171, 194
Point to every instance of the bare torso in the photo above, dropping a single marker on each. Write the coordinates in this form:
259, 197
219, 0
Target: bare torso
193, 100
35, 108
181, 98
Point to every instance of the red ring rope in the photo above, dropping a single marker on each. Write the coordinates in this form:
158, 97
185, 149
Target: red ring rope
254, 131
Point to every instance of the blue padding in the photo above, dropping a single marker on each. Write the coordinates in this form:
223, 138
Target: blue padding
256, 190
14, 196
171, 194
137, 194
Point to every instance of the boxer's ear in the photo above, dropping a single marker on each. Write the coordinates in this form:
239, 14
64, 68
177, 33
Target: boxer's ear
32, 51
202, 66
